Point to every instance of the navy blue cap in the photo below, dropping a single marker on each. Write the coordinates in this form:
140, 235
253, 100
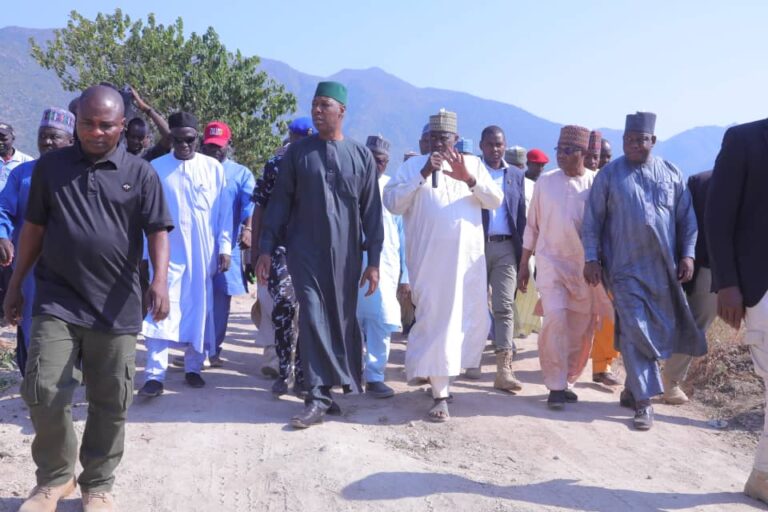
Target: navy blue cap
302, 126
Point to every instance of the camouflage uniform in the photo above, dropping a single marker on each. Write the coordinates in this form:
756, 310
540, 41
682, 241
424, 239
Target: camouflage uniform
285, 317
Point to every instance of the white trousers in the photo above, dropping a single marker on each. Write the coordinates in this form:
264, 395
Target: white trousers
440, 387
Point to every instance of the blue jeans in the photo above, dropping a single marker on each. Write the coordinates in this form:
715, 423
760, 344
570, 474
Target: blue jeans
377, 337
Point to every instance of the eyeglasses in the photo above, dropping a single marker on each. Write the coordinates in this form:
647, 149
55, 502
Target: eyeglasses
567, 150
184, 140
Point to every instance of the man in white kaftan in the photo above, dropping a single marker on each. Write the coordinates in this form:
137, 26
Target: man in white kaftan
194, 186
445, 258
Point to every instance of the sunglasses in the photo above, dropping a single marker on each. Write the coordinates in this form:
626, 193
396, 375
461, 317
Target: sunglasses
567, 150
185, 140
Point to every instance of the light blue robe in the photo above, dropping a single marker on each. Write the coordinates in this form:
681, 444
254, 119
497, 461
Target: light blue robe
383, 306
639, 222
13, 206
240, 184
195, 191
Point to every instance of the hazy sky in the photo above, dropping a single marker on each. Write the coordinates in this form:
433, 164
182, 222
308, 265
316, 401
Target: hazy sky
584, 62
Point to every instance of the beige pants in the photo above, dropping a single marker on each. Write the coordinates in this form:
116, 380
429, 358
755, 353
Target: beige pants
756, 338
703, 304
564, 345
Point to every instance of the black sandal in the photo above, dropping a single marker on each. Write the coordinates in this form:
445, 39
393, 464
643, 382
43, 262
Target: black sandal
439, 411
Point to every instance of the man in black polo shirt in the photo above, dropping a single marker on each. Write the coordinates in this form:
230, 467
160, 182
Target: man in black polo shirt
90, 206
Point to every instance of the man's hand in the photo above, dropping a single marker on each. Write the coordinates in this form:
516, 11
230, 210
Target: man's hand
140, 103
523, 276
371, 275
250, 273
6, 252
157, 300
13, 304
434, 163
730, 306
404, 292
458, 170
245, 238
263, 266
224, 262
592, 273
685, 270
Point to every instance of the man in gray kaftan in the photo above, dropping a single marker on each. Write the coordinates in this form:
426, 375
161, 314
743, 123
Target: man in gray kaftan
639, 232
325, 198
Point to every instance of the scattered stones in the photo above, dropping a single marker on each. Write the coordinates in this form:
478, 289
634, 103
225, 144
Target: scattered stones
718, 424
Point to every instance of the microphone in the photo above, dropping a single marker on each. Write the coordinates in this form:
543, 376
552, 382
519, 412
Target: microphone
434, 176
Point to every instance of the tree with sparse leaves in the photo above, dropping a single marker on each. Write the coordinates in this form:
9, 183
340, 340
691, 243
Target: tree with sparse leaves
173, 72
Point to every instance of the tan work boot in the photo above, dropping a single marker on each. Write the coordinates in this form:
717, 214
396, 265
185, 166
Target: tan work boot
98, 501
505, 377
757, 486
673, 394
44, 498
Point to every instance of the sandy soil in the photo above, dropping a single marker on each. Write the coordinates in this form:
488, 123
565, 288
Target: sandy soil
227, 448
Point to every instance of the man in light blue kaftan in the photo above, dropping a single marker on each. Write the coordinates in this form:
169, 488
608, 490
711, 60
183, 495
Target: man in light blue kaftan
56, 131
379, 314
195, 190
240, 184
639, 236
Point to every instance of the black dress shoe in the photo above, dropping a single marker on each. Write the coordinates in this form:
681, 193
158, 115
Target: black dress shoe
151, 389
626, 399
279, 387
570, 396
334, 410
556, 400
379, 390
311, 415
299, 391
643, 419
194, 380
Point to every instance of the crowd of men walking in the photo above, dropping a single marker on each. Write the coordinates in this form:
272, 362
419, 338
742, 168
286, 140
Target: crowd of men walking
600, 256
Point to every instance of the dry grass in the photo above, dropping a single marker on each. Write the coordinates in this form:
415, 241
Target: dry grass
8, 372
725, 380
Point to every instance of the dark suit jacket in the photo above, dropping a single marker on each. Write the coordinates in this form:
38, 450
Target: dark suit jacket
514, 197
736, 218
698, 185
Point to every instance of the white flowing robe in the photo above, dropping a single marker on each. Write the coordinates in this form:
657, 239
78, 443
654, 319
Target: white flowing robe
446, 264
196, 194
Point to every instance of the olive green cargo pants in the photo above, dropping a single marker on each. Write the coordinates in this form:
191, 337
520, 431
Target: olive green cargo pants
107, 363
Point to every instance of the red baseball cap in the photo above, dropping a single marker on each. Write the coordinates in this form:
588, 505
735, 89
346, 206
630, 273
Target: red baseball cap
537, 156
218, 133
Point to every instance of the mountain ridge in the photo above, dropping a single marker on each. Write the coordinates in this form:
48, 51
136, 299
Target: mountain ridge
380, 103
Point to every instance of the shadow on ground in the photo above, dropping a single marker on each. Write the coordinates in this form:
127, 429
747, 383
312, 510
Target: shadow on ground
569, 494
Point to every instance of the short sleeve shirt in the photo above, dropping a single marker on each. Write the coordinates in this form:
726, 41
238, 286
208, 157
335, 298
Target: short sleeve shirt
96, 215
155, 151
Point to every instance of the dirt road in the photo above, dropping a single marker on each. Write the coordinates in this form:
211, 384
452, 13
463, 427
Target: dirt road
227, 448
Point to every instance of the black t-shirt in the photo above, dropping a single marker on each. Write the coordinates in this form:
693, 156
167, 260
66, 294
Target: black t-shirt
155, 151
95, 217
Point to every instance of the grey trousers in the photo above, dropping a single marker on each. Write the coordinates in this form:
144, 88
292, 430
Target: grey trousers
501, 266
703, 304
